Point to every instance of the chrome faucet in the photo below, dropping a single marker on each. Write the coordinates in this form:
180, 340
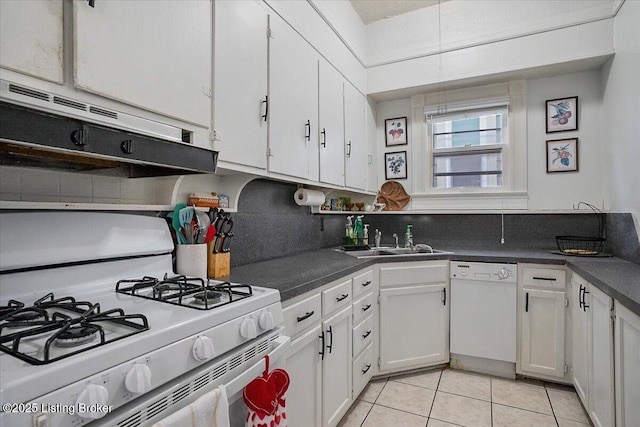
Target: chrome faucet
377, 238
395, 236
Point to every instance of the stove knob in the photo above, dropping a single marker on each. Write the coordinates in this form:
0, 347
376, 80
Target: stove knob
203, 349
138, 379
503, 273
266, 321
248, 329
94, 396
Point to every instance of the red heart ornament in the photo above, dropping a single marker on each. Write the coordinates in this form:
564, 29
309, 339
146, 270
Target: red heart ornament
261, 394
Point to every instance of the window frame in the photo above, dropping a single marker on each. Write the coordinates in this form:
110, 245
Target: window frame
512, 195
502, 148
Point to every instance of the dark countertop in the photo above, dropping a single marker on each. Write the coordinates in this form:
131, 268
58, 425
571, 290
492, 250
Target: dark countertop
297, 274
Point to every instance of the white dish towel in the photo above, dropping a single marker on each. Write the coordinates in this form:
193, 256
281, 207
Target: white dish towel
210, 410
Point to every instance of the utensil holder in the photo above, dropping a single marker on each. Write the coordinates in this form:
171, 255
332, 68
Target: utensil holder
191, 260
218, 264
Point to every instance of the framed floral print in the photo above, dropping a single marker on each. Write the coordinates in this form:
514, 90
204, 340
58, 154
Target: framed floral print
562, 114
395, 165
396, 131
562, 155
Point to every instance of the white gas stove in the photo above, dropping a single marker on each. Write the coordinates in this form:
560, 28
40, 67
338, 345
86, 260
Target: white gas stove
95, 326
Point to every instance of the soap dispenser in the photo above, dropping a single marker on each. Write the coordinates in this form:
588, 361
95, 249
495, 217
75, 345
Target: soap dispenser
408, 237
365, 236
359, 230
349, 230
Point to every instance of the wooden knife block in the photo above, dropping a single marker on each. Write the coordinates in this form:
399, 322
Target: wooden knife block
218, 265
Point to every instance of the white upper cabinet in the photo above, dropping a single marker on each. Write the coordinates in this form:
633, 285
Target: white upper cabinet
240, 82
355, 138
152, 55
331, 122
31, 38
293, 103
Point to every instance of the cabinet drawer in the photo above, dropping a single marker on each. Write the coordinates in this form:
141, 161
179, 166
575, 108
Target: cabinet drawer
362, 370
301, 315
362, 307
362, 283
541, 277
337, 297
362, 335
431, 272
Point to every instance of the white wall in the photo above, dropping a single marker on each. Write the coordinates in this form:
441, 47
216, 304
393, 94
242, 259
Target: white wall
459, 24
554, 191
621, 105
561, 190
390, 110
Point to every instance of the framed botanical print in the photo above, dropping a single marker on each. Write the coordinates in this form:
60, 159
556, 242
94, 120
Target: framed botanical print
562, 155
562, 114
396, 131
395, 165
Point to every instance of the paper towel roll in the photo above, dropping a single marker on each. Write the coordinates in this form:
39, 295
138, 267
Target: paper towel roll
306, 197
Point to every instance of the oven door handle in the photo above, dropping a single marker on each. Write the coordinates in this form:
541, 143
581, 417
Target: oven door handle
238, 383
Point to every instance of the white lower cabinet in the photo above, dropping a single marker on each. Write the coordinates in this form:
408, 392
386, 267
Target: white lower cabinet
336, 367
593, 370
322, 362
627, 362
304, 396
542, 318
414, 315
364, 331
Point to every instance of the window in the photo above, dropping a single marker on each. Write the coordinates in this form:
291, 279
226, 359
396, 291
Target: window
472, 149
467, 148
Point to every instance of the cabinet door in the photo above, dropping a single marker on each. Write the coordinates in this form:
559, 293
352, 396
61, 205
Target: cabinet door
240, 73
601, 402
413, 327
580, 330
293, 103
31, 35
336, 367
627, 378
153, 55
354, 137
542, 340
305, 372
331, 123
372, 150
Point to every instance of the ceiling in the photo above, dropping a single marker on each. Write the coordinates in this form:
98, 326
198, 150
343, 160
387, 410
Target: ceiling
374, 10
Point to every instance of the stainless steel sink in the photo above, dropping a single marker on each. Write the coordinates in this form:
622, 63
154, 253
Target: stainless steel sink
422, 251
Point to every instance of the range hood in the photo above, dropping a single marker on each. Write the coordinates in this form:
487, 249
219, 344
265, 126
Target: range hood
37, 131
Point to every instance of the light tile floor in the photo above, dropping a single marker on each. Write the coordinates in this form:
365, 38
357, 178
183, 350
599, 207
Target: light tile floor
451, 398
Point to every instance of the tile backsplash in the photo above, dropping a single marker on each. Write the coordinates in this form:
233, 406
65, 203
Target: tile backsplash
43, 185
269, 224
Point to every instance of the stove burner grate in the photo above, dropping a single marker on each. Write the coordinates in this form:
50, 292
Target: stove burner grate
184, 291
63, 331
11, 307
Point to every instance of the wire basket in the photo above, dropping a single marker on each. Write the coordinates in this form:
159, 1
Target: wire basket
585, 246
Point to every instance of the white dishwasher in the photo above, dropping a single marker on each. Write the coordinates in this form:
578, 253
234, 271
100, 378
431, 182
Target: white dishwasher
483, 310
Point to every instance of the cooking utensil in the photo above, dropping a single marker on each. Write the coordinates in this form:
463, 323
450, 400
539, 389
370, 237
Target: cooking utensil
175, 221
213, 215
211, 233
203, 223
224, 233
186, 215
226, 242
